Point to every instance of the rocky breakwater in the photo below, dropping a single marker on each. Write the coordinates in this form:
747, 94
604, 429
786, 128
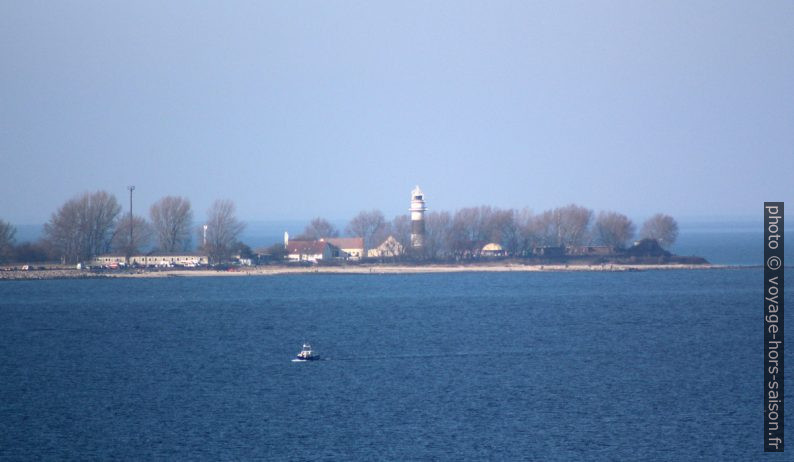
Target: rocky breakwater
37, 274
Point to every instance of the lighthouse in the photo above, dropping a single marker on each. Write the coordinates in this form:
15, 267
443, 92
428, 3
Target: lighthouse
417, 218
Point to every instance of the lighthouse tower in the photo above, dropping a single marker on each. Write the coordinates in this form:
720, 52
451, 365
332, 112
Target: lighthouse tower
417, 218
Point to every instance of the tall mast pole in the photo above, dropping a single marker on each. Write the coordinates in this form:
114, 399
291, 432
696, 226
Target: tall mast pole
129, 247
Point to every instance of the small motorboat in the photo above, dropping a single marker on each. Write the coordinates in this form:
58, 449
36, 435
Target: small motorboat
306, 354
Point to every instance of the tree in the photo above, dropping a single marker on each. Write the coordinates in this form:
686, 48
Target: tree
471, 228
527, 239
400, 229
319, 228
141, 235
613, 229
502, 227
367, 225
243, 250
437, 235
83, 227
172, 219
223, 229
33, 252
571, 224
7, 232
541, 231
661, 227
382, 233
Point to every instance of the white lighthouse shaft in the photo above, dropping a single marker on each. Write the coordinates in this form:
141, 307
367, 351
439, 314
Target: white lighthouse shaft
417, 217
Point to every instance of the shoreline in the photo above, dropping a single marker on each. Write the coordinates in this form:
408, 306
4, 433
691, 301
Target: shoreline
354, 269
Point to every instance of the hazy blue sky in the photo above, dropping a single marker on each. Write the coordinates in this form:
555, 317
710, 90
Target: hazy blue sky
299, 109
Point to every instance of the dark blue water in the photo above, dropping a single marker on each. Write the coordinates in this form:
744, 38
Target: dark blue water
725, 242
513, 366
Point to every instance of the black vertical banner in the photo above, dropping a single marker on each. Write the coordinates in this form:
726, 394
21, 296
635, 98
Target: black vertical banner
773, 327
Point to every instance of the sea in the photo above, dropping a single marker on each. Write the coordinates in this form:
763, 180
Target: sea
547, 366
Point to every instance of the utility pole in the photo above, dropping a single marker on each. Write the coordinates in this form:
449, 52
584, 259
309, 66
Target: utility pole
129, 247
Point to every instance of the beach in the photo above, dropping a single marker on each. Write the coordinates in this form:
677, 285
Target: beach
274, 270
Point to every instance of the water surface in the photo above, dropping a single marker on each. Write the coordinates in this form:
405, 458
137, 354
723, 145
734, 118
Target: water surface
467, 366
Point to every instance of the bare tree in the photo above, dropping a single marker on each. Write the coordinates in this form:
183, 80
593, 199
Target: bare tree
571, 224
319, 228
223, 229
367, 225
464, 231
541, 230
7, 232
401, 230
141, 235
503, 229
63, 232
437, 235
172, 219
382, 233
527, 239
471, 228
83, 227
613, 229
661, 227
103, 212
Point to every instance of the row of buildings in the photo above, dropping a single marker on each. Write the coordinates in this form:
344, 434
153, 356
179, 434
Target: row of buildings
312, 251
339, 248
352, 248
153, 260
324, 249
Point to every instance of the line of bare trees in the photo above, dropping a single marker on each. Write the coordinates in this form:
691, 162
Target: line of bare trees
92, 224
463, 234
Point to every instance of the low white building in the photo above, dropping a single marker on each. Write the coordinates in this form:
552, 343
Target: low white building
186, 259
312, 251
109, 260
353, 247
153, 259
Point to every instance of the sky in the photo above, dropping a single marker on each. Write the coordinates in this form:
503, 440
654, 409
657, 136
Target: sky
325, 108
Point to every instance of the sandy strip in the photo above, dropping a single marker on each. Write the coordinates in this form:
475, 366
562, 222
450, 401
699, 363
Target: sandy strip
351, 269
398, 269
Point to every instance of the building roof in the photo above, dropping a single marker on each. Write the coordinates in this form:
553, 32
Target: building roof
346, 242
492, 247
307, 247
155, 253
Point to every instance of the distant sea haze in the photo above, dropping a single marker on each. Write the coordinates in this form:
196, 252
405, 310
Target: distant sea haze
721, 242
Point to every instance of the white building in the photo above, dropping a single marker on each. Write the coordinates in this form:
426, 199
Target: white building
353, 247
153, 259
311, 251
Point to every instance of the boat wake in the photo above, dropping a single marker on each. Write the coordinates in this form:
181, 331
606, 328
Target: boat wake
427, 356
296, 360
